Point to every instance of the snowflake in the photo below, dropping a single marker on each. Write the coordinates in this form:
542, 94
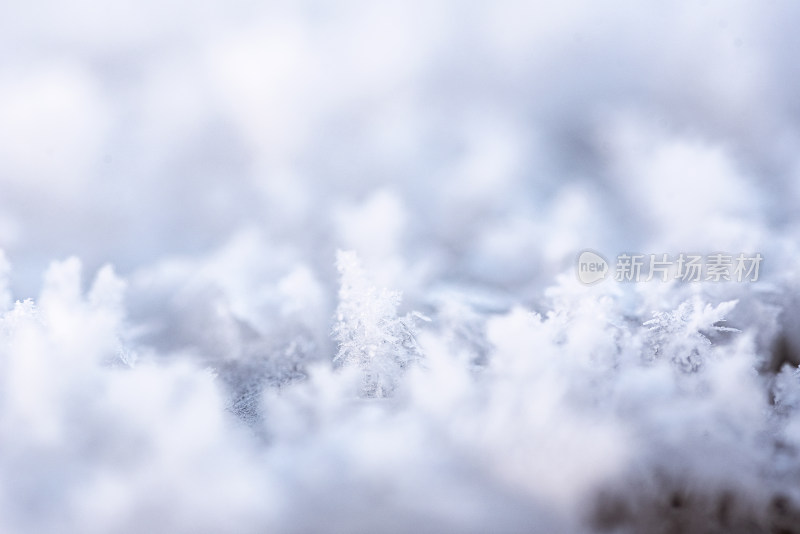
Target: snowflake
683, 334
370, 333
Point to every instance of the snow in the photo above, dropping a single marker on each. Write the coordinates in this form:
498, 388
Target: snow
308, 267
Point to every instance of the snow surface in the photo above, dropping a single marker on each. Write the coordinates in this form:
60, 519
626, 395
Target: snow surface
309, 266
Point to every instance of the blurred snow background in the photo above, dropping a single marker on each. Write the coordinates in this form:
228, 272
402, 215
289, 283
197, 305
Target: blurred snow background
453, 375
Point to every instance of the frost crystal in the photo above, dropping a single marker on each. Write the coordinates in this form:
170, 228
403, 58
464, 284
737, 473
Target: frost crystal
369, 332
682, 335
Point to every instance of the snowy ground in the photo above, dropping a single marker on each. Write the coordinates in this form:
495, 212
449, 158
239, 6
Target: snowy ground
311, 267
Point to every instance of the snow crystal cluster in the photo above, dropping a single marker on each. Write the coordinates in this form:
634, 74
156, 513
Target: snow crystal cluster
309, 267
